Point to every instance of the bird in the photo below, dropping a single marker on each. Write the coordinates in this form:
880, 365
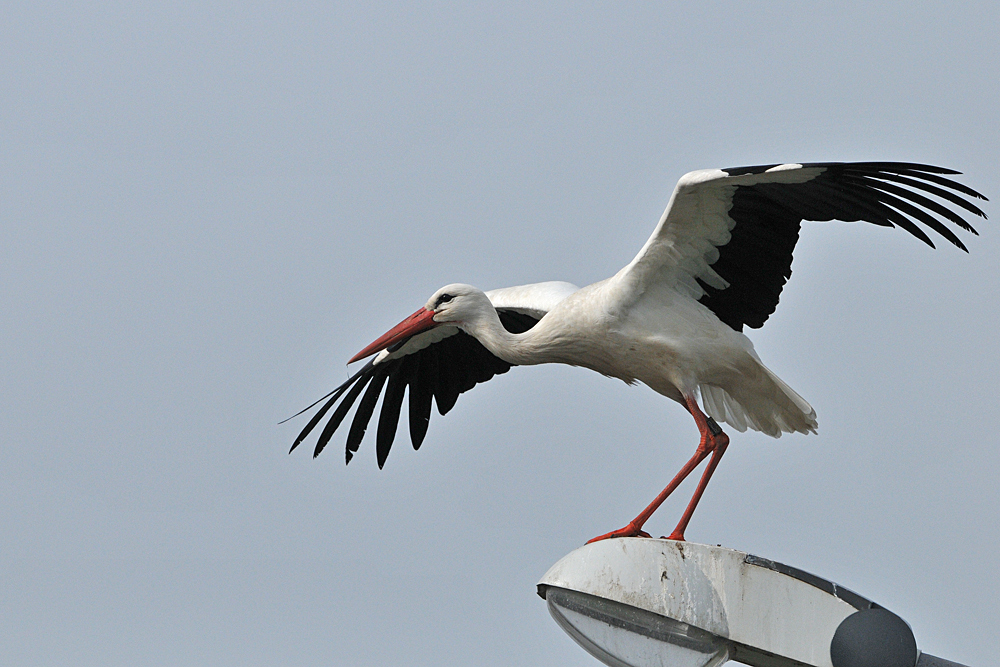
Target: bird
672, 319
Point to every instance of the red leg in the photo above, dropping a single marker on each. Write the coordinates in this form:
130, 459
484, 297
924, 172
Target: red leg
713, 441
721, 443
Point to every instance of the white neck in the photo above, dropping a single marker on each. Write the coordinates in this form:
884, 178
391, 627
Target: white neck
524, 349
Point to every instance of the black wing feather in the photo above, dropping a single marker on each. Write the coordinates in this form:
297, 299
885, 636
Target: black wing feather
420, 396
440, 372
446, 385
338, 415
389, 417
946, 182
902, 204
757, 260
364, 413
943, 211
333, 396
516, 322
855, 206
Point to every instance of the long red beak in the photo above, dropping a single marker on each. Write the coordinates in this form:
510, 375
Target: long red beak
422, 320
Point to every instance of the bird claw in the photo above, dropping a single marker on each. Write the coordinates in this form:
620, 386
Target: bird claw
630, 530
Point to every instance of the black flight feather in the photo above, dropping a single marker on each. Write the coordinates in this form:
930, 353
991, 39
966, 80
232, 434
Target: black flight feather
756, 262
437, 373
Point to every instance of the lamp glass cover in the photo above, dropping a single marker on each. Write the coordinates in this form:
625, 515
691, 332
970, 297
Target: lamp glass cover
622, 636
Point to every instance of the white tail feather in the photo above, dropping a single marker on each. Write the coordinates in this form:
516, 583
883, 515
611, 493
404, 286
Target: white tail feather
769, 406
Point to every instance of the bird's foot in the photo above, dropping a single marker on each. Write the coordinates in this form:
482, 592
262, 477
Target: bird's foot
631, 530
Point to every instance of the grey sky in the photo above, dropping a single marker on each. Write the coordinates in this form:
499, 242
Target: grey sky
207, 208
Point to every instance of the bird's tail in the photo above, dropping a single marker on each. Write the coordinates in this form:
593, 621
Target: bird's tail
764, 403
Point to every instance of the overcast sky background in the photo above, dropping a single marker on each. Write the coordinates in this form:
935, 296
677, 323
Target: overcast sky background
206, 208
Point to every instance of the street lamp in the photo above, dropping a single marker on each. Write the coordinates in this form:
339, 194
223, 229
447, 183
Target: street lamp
635, 602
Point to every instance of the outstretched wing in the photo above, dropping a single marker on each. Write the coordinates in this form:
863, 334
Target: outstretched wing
727, 235
438, 364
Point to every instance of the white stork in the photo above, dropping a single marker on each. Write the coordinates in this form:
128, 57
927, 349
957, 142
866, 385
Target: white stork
672, 319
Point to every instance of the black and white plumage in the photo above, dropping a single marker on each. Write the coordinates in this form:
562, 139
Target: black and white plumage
438, 365
672, 318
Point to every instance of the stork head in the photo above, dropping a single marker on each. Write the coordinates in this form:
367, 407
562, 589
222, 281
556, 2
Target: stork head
452, 304
456, 303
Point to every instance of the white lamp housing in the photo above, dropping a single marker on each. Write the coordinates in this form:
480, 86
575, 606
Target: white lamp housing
635, 602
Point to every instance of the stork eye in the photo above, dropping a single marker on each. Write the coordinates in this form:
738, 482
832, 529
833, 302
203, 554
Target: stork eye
444, 298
